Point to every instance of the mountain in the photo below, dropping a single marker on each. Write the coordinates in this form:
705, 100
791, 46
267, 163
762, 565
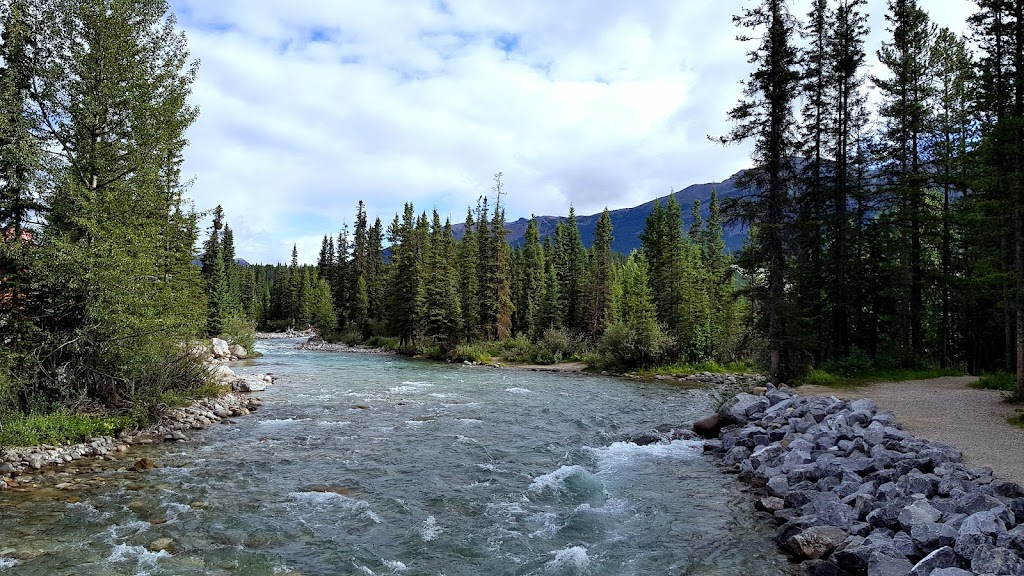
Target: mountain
628, 223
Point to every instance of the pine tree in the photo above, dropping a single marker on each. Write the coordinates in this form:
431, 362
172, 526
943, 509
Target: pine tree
216, 276
599, 286
766, 116
442, 309
532, 281
468, 254
948, 148
570, 265
906, 116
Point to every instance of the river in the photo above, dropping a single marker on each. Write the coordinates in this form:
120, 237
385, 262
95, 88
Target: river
367, 464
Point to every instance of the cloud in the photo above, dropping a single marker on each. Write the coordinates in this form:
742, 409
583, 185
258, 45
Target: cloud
309, 106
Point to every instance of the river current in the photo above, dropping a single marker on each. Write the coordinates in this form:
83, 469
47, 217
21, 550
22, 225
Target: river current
376, 465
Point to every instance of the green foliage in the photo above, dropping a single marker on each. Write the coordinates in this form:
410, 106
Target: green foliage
186, 397
62, 427
480, 353
626, 346
821, 378
684, 369
856, 362
238, 330
997, 381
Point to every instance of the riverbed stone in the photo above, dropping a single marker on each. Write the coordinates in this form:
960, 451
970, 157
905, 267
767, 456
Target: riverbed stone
239, 351
249, 384
886, 565
220, 348
740, 407
816, 542
943, 557
997, 561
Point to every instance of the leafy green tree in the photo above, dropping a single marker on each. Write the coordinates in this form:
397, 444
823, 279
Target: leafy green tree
109, 100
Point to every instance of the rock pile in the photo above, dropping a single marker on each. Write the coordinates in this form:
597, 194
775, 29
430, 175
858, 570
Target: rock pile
220, 351
172, 428
854, 494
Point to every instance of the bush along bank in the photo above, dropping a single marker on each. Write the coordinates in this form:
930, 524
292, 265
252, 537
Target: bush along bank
19, 467
854, 494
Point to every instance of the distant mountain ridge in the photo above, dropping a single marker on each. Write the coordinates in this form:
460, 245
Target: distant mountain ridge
628, 223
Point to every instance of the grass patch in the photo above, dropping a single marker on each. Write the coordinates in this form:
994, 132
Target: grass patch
60, 428
683, 369
900, 375
1017, 419
826, 378
182, 398
999, 381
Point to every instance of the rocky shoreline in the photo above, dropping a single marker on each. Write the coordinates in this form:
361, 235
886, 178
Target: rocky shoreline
21, 468
320, 345
853, 494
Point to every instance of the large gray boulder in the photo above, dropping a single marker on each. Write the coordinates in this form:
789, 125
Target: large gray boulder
220, 348
239, 351
740, 407
223, 374
249, 384
816, 542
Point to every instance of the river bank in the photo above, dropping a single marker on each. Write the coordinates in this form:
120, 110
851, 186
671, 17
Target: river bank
853, 493
22, 468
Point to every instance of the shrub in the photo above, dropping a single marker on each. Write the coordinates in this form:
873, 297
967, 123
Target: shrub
470, 353
821, 378
238, 330
628, 346
561, 343
518, 349
855, 363
999, 381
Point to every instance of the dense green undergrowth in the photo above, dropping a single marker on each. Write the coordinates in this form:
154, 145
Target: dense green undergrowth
554, 346
683, 369
62, 427
997, 381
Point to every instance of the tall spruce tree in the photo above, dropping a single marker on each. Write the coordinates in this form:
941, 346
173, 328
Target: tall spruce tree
600, 308
766, 116
905, 113
109, 104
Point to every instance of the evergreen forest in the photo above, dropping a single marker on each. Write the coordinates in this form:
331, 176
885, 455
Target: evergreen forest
885, 210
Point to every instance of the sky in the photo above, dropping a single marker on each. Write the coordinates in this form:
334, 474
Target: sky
308, 106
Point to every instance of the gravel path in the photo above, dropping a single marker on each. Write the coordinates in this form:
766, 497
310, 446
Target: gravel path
945, 409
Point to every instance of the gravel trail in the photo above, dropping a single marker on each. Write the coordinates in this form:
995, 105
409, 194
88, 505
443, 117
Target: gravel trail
947, 410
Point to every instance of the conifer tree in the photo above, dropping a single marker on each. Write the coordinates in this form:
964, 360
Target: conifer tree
570, 265
599, 305
442, 309
906, 91
533, 280
468, 254
765, 115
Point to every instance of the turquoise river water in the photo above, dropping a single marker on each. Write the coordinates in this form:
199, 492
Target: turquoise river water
365, 464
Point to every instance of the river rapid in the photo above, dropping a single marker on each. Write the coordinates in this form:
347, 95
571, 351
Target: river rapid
371, 465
